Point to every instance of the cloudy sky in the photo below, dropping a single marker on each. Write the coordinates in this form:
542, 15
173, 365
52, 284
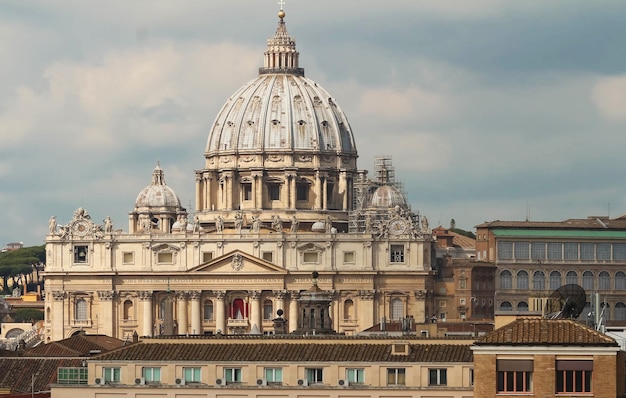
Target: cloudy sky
490, 109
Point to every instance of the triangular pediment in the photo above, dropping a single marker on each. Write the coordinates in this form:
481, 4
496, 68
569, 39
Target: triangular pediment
238, 262
308, 247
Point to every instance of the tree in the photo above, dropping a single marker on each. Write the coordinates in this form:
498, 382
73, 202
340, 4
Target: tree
28, 315
452, 224
16, 263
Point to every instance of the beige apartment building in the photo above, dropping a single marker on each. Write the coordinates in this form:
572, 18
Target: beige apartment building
278, 196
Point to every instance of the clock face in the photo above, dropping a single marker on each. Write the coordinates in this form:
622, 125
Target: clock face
397, 226
81, 228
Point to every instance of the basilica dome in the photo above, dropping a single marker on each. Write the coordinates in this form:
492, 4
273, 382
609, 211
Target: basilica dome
387, 196
281, 111
157, 195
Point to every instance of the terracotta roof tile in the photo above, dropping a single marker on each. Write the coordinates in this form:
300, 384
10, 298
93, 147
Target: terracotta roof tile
286, 352
17, 373
546, 332
79, 345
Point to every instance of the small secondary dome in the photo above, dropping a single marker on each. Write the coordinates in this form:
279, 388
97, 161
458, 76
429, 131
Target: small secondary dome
157, 194
387, 196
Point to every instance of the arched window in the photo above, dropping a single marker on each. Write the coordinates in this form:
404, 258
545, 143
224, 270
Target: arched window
522, 306
522, 280
620, 311
397, 309
571, 278
555, 280
128, 310
620, 281
604, 281
539, 280
208, 310
588, 281
506, 281
506, 306
348, 309
81, 310
268, 310
238, 309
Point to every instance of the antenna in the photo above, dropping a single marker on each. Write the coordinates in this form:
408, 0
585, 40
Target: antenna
566, 302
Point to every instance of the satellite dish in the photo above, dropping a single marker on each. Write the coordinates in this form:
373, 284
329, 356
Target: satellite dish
566, 302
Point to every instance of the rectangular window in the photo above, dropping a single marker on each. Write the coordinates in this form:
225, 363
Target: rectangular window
471, 377
437, 377
570, 251
165, 258
191, 375
232, 375
128, 258
462, 283
521, 250
514, 375
555, 251
81, 254
151, 375
274, 375
396, 377
573, 376
246, 189
348, 257
538, 250
268, 256
587, 251
309, 257
72, 376
207, 256
505, 250
397, 253
302, 191
273, 190
111, 375
355, 375
603, 252
314, 375
619, 251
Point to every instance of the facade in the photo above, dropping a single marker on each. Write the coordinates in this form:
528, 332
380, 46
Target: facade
279, 195
280, 366
534, 259
548, 358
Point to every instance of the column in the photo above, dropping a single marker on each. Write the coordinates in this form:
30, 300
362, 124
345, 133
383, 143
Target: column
147, 324
318, 191
292, 192
220, 316
181, 300
281, 295
196, 312
198, 192
293, 314
255, 310
258, 189
343, 190
58, 315
207, 191
106, 313
325, 194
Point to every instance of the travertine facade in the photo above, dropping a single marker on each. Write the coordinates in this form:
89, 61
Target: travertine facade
279, 196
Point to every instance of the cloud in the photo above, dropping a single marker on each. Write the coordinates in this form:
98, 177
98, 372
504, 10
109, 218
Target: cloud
609, 96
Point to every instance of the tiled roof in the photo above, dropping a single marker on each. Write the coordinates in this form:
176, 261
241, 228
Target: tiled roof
573, 223
286, 352
75, 346
546, 332
17, 373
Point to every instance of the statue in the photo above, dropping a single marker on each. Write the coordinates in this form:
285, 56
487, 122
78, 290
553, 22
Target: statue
183, 223
368, 223
329, 224
196, 224
277, 223
52, 225
256, 224
108, 225
425, 225
238, 221
144, 223
219, 224
294, 224
64, 231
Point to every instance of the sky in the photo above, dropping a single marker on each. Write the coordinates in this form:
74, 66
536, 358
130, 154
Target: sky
490, 109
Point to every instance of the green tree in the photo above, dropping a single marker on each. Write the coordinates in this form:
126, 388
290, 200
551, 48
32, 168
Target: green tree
28, 315
15, 263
